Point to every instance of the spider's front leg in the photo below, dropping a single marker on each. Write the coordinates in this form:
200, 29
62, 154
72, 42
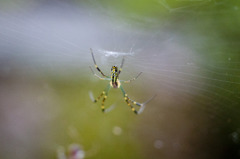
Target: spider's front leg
120, 69
96, 64
107, 78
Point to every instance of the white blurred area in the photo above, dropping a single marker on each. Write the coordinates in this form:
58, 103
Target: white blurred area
46, 33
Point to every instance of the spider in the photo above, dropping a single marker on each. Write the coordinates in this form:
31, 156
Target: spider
115, 83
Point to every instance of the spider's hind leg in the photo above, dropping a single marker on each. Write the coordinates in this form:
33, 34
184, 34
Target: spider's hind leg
104, 94
129, 101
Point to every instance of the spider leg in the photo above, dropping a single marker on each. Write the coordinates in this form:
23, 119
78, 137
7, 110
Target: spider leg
96, 64
104, 94
99, 76
133, 79
105, 97
141, 105
132, 108
128, 100
120, 69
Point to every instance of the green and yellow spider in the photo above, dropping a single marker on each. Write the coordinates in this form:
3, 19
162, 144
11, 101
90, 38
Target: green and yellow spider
115, 83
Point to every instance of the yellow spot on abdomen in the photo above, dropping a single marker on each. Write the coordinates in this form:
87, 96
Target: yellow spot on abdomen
119, 84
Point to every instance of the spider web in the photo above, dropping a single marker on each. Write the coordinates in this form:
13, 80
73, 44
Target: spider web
190, 56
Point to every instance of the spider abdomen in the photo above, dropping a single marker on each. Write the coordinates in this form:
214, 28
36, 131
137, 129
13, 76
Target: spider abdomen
115, 84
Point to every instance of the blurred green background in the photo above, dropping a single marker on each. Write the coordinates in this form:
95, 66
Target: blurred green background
188, 51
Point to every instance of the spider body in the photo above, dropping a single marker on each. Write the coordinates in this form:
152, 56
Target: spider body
115, 83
